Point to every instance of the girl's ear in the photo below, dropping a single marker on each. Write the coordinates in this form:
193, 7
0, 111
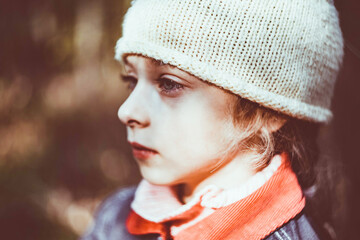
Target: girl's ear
275, 123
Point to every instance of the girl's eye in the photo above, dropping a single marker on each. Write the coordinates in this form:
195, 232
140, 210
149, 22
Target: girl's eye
168, 86
130, 80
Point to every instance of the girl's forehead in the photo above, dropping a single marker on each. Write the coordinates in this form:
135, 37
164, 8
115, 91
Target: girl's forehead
139, 61
132, 59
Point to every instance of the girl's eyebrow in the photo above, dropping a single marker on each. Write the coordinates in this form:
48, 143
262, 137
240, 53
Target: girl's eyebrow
126, 62
157, 63
160, 63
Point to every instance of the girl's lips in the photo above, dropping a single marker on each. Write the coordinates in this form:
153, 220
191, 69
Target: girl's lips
142, 152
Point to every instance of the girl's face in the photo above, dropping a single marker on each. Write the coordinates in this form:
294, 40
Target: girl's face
178, 125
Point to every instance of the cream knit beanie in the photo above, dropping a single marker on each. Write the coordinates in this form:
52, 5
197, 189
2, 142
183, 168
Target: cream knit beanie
282, 54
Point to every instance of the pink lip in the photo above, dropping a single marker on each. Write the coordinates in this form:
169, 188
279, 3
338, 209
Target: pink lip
141, 152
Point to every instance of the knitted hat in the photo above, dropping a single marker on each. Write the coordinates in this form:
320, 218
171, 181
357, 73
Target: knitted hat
282, 54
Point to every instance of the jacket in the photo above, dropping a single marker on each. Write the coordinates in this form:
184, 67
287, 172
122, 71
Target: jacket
111, 217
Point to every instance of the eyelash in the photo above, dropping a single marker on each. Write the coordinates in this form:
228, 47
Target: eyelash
131, 81
174, 86
161, 82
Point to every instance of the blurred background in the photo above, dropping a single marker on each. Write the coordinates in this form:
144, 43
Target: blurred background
62, 148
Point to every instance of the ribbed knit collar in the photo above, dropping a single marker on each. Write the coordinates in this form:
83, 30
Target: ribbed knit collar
265, 202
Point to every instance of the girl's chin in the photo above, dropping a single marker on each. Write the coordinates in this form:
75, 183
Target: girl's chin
160, 182
160, 179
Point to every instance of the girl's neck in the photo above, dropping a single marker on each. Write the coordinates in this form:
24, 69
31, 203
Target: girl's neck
229, 175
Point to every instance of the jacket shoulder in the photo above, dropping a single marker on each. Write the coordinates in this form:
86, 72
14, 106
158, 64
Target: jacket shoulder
298, 228
111, 216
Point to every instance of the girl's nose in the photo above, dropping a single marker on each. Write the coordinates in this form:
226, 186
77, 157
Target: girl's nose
133, 111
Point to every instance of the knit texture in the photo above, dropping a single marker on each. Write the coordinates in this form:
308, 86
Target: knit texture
282, 54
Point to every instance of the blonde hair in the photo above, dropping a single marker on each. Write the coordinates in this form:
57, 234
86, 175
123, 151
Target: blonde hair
295, 137
318, 176
253, 120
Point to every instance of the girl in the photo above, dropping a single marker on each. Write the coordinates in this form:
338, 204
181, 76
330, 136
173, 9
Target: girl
226, 99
